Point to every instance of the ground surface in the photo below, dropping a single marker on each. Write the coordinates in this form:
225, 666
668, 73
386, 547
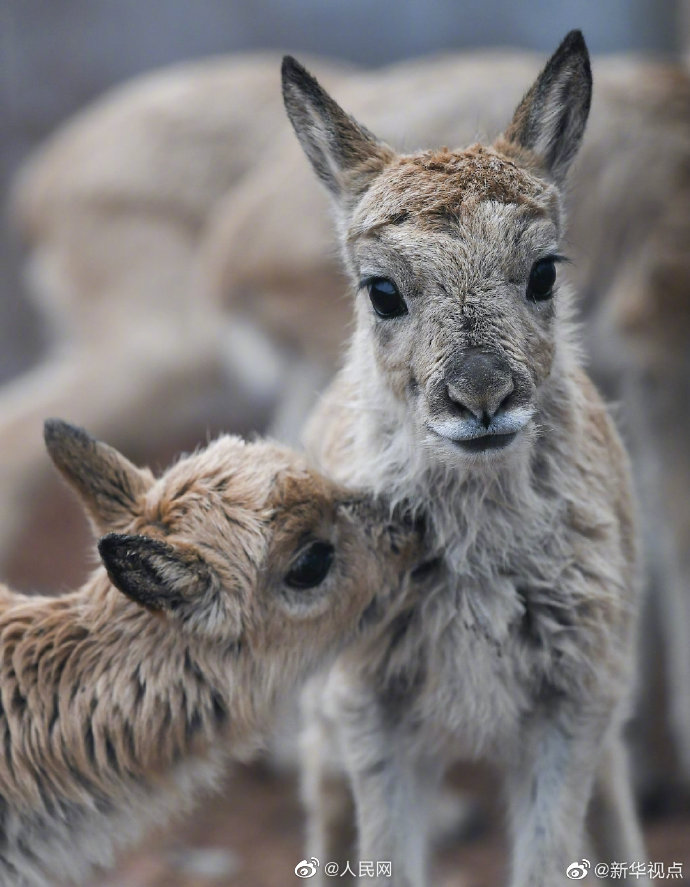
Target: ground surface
250, 835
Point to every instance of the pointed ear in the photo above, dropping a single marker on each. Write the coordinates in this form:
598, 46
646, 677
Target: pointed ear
550, 120
110, 487
152, 573
345, 155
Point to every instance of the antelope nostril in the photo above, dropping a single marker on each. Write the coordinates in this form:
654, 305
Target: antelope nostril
456, 404
481, 401
508, 399
479, 385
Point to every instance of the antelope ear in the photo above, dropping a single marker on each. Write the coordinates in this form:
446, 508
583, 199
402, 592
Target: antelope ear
550, 120
345, 155
110, 487
152, 573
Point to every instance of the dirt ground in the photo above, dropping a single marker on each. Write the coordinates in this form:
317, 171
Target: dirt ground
250, 835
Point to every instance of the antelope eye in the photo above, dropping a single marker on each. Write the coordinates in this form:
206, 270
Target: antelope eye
386, 298
311, 567
541, 280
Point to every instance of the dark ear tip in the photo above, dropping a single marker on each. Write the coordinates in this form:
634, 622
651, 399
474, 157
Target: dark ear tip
575, 37
113, 544
57, 431
291, 71
573, 44
289, 64
296, 78
109, 544
54, 429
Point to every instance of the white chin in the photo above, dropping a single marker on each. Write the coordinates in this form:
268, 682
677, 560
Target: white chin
468, 439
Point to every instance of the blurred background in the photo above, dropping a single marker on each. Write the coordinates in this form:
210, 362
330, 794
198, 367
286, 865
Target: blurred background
164, 254
56, 57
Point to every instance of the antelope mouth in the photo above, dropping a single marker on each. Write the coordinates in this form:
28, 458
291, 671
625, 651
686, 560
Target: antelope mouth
486, 442
474, 437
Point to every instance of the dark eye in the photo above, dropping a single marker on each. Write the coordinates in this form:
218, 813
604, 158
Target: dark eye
386, 298
541, 280
311, 567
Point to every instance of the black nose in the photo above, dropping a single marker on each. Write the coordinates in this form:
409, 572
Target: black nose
480, 384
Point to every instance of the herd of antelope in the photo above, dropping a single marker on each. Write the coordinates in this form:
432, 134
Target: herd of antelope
455, 567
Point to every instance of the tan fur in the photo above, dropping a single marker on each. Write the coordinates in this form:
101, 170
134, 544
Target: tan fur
118, 709
521, 648
251, 243
450, 182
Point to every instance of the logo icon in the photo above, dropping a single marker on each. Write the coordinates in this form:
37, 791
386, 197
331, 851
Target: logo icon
307, 868
576, 871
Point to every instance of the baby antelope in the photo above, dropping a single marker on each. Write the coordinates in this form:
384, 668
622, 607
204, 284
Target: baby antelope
226, 580
463, 395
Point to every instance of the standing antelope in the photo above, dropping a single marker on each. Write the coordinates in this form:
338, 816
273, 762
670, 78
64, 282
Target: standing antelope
463, 396
226, 580
217, 268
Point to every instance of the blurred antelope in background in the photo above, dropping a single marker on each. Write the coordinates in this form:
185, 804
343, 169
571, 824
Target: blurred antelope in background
463, 395
226, 581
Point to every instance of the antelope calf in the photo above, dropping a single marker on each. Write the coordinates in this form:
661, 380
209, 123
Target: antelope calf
225, 581
215, 265
463, 396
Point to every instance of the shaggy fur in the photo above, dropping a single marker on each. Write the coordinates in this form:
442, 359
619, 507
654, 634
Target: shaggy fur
119, 708
123, 234
521, 647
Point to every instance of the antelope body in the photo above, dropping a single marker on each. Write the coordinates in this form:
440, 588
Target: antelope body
462, 395
226, 581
